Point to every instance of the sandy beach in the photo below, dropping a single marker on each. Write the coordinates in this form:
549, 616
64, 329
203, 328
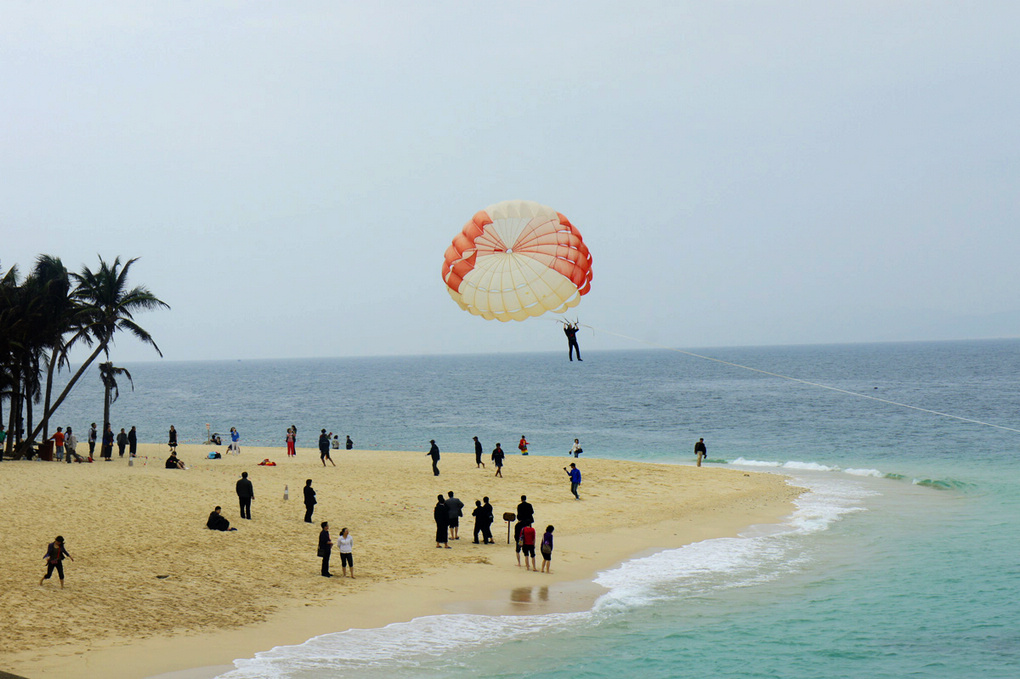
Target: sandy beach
152, 591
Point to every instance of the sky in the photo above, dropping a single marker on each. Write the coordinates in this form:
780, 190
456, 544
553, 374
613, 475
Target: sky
744, 173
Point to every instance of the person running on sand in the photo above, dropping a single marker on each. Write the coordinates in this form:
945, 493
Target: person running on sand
442, 516
345, 543
324, 449
497, 459
547, 547
55, 553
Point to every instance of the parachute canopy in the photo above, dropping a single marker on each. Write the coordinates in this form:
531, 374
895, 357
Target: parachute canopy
517, 259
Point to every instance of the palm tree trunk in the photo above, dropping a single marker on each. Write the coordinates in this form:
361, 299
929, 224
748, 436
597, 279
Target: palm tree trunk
49, 390
106, 407
74, 380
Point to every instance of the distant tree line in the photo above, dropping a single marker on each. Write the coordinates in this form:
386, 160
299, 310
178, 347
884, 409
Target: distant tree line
42, 317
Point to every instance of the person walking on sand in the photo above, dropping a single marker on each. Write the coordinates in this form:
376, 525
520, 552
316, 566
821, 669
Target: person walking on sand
324, 449
575, 479
133, 442
700, 450
442, 516
245, 494
173, 439
478, 453
93, 434
55, 553
575, 450
522, 445
487, 520
309, 501
456, 510
122, 441
546, 549
325, 549
345, 543
291, 441
497, 460
528, 547
434, 454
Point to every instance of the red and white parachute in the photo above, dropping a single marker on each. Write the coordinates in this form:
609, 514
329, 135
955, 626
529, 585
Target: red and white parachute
515, 260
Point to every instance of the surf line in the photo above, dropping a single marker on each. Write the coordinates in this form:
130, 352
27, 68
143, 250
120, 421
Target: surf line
808, 383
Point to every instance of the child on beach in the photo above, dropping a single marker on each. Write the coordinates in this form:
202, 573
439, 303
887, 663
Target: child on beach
55, 553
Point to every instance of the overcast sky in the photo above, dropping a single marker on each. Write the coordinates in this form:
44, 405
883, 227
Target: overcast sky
744, 173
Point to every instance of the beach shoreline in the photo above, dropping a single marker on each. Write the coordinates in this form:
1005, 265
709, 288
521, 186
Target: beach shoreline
235, 594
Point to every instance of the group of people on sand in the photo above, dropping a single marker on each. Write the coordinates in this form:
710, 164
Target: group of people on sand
497, 456
448, 511
65, 443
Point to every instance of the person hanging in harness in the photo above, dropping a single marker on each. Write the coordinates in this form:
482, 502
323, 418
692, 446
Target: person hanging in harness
570, 330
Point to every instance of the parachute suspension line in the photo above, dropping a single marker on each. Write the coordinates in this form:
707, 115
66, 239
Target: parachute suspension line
806, 382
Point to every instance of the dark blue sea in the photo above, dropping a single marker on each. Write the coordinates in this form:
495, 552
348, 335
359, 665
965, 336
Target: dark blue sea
903, 560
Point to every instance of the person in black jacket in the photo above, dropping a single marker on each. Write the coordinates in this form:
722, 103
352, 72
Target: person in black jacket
309, 501
133, 442
434, 454
324, 449
217, 521
245, 494
487, 522
478, 454
442, 516
122, 441
325, 549
55, 553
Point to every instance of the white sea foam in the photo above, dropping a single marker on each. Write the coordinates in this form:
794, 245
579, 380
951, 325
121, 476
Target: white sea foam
865, 472
691, 570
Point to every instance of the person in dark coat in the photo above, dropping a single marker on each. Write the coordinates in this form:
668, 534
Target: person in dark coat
55, 553
132, 442
309, 501
442, 516
350, 443
525, 517
497, 459
217, 521
434, 454
245, 494
107, 450
570, 330
478, 454
122, 441
700, 450
325, 549
324, 449
487, 522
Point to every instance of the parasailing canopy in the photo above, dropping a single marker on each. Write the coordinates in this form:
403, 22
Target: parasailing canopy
515, 260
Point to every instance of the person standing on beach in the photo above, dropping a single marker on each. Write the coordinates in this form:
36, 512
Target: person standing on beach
442, 516
335, 442
55, 553
522, 445
291, 440
547, 547
479, 513
455, 510
92, 441
700, 450
324, 449
172, 442
245, 494
235, 441
122, 441
528, 547
575, 450
350, 443
107, 449
70, 446
575, 479
345, 543
434, 454
487, 520
325, 548
525, 517
58, 445
497, 459
571, 332
133, 442
478, 454
309, 501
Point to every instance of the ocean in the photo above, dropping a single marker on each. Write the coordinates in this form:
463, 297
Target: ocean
902, 560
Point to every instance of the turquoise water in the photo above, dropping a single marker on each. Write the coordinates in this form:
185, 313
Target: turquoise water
902, 560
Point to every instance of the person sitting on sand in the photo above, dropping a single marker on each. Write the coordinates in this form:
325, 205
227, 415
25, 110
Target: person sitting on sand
173, 462
217, 521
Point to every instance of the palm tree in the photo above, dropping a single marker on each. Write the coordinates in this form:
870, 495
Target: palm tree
108, 374
106, 305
